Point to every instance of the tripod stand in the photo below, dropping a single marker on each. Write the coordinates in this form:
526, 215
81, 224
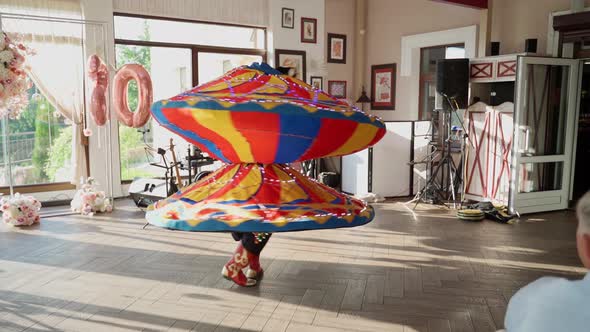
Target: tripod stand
445, 178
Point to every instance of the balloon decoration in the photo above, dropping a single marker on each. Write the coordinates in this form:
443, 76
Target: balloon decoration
257, 120
99, 74
145, 96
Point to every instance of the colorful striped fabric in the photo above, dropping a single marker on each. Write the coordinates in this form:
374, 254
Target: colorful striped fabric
261, 198
255, 115
257, 121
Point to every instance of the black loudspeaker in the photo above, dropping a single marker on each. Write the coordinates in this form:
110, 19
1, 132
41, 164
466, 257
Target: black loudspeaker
452, 80
495, 48
530, 45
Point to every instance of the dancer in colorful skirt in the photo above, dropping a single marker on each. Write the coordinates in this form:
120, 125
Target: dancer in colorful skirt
257, 121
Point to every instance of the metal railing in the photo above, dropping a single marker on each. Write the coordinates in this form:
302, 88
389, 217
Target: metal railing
20, 148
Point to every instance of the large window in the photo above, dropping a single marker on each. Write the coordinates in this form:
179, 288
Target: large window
178, 55
428, 58
40, 145
43, 143
189, 33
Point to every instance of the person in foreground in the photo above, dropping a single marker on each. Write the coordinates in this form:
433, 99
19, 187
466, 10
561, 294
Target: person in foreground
556, 304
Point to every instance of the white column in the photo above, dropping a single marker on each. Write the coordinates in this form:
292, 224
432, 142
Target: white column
104, 170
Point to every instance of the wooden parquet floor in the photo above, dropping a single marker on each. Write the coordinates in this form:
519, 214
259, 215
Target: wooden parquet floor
422, 271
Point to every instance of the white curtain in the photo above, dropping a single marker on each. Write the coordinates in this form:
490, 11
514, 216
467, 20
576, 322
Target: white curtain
57, 68
53, 8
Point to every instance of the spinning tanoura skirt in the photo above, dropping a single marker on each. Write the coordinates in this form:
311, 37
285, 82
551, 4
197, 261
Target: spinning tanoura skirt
257, 121
265, 198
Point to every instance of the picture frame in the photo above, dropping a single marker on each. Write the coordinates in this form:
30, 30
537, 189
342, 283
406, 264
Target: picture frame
317, 82
309, 30
336, 48
337, 89
383, 80
296, 60
288, 18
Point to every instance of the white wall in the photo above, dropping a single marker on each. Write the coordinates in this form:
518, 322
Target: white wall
283, 38
515, 21
340, 16
388, 21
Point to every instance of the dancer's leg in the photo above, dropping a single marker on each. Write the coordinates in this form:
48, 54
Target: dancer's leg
233, 269
254, 243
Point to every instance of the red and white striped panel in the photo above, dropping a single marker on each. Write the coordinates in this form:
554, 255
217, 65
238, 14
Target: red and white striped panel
478, 149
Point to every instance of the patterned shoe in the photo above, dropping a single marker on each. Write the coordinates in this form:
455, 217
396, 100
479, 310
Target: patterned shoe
255, 271
233, 269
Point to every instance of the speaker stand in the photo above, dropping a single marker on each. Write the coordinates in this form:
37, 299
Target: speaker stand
445, 179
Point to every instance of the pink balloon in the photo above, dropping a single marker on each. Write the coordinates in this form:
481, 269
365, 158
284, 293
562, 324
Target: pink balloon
102, 77
145, 95
98, 105
99, 74
93, 63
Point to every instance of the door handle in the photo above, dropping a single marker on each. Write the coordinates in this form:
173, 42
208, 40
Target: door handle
525, 149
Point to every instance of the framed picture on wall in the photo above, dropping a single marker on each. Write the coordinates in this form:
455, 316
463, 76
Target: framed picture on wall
294, 61
383, 87
309, 31
317, 82
337, 89
336, 48
288, 18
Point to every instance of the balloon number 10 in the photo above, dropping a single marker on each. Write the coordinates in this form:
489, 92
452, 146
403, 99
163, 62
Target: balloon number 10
98, 73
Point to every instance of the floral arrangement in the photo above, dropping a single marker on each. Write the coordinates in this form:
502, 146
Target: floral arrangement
88, 200
20, 210
14, 82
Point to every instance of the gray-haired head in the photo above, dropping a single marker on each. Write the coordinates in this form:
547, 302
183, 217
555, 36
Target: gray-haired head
583, 212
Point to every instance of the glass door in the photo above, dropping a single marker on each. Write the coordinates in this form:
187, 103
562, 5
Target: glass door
545, 109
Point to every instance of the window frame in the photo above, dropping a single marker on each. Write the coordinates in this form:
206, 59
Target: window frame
40, 187
427, 78
195, 49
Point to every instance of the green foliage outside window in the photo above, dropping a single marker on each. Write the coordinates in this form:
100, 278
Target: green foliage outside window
131, 142
34, 138
46, 130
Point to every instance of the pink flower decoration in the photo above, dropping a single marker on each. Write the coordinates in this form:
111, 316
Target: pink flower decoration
15, 85
87, 132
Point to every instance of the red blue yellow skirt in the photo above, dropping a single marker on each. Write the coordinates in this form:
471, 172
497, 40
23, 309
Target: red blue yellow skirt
258, 198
